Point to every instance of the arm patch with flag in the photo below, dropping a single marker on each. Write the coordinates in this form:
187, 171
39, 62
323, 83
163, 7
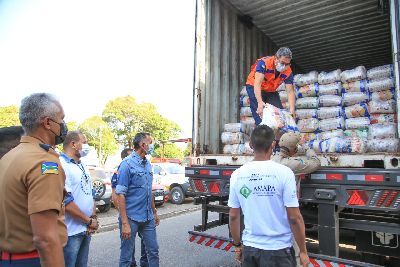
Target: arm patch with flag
49, 168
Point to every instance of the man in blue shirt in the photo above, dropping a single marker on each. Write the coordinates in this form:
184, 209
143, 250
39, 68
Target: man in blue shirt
136, 204
80, 207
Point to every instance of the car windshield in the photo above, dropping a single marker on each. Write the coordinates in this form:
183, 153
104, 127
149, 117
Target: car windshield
175, 169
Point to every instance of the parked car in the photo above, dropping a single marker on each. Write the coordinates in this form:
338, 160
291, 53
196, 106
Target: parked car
160, 194
172, 176
102, 186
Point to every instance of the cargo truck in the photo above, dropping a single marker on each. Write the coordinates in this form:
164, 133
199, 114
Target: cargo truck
352, 193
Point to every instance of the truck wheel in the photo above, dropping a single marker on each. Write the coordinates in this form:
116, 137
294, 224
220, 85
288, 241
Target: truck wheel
177, 195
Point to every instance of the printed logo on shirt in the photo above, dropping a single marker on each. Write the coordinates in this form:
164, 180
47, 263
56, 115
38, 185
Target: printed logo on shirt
264, 190
245, 191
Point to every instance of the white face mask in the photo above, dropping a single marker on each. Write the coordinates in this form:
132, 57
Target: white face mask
85, 150
280, 67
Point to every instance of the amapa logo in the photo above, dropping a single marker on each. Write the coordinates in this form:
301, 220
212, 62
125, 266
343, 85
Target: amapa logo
245, 191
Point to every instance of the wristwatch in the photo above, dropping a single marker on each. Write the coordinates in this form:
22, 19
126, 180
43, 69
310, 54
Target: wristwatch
236, 245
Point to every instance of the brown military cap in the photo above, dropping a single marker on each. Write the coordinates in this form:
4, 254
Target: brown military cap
290, 140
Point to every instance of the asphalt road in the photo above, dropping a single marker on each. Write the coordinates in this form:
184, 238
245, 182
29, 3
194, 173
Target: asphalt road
175, 249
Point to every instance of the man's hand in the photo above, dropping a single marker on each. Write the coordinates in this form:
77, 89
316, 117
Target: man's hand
94, 225
156, 219
238, 254
260, 108
304, 260
126, 231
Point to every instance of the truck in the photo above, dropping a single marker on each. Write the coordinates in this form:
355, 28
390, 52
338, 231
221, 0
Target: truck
352, 194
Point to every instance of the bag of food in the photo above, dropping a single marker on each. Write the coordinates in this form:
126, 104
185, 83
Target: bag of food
380, 85
308, 90
243, 92
308, 78
353, 98
383, 118
329, 77
308, 125
355, 74
359, 133
245, 112
330, 89
330, 134
356, 123
329, 112
233, 127
306, 113
383, 145
278, 119
238, 149
249, 120
281, 87
283, 96
290, 123
380, 72
382, 107
357, 110
382, 131
228, 138
331, 124
247, 128
244, 101
358, 145
306, 137
330, 101
357, 86
382, 95
307, 102
335, 145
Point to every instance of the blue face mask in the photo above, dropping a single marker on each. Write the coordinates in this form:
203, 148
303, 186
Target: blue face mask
150, 149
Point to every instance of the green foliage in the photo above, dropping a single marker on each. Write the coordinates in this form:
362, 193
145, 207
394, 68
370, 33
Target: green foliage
72, 126
126, 117
169, 151
100, 136
188, 150
9, 116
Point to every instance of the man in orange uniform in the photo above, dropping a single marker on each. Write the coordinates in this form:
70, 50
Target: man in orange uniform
264, 79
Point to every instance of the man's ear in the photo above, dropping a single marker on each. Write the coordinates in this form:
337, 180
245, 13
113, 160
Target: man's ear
46, 123
273, 144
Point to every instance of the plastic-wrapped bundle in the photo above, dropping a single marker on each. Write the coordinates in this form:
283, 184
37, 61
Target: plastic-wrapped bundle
307, 102
306, 137
331, 124
357, 86
307, 90
329, 77
245, 112
383, 118
353, 98
278, 119
382, 107
281, 87
330, 89
233, 127
382, 131
238, 149
357, 110
290, 123
244, 101
358, 145
330, 134
303, 79
306, 113
383, 145
382, 95
283, 96
380, 72
380, 85
308, 125
333, 145
229, 138
355, 74
330, 101
359, 133
356, 123
243, 92
247, 120
329, 112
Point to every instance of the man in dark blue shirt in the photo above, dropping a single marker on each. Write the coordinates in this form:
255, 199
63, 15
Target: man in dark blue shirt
136, 205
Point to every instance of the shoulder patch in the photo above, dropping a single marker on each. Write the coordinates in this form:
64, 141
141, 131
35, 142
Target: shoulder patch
49, 168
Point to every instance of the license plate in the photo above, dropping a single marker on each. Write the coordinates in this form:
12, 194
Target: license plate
381, 239
159, 198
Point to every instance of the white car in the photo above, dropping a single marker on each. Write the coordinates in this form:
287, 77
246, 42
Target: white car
172, 176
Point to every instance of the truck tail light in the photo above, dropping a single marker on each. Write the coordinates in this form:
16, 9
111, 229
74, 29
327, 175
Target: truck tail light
199, 185
213, 187
357, 198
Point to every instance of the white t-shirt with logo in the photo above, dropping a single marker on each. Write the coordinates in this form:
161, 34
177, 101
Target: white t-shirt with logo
264, 189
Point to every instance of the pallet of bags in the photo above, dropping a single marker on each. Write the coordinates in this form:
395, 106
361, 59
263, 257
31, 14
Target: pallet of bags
235, 137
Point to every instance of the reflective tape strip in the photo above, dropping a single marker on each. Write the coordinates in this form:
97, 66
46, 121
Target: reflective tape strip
189, 172
192, 238
318, 176
214, 172
219, 244
356, 177
374, 178
314, 262
210, 242
202, 238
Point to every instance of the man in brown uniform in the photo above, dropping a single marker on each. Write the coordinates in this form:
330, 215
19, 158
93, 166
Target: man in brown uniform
32, 231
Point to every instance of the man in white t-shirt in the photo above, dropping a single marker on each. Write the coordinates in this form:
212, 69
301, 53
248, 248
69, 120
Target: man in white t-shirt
266, 193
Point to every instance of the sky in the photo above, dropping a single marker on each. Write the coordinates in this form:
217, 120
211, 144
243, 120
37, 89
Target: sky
88, 52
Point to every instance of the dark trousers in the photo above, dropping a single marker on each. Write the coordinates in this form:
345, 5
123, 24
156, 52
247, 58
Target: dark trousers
267, 97
255, 257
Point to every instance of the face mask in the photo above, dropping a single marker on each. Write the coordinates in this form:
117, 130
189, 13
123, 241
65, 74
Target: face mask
150, 149
85, 150
63, 133
280, 67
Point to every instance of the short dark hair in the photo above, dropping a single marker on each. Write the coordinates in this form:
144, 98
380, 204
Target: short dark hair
138, 139
125, 152
11, 133
262, 138
72, 136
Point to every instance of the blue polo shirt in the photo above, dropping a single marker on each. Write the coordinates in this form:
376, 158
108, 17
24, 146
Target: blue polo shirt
135, 178
79, 187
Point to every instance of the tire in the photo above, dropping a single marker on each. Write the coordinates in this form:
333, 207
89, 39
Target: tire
104, 208
177, 195
99, 187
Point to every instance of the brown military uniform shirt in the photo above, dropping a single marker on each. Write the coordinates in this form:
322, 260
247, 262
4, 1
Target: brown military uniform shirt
31, 181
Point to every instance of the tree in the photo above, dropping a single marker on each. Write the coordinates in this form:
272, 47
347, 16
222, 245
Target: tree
9, 116
72, 126
188, 150
126, 117
169, 151
100, 136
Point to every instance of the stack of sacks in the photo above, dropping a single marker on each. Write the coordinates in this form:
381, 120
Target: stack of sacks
236, 138
283, 96
382, 107
245, 111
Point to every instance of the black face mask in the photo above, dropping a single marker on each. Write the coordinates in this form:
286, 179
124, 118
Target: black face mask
63, 132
